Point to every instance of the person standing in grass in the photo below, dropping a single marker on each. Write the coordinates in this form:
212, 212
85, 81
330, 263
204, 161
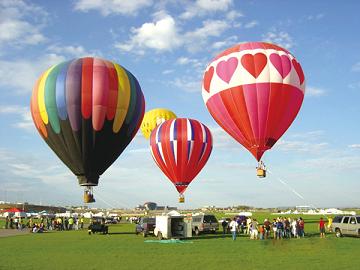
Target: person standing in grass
267, 226
82, 222
233, 228
330, 220
322, 228
224, 225
7, 221
301, 227
254, 229
274, 226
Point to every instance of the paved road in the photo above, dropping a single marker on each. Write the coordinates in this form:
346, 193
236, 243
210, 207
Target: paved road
10, 232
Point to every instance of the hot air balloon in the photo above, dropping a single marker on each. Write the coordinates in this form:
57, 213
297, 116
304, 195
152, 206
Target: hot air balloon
153, 118
181, 148
254, 91
87, 110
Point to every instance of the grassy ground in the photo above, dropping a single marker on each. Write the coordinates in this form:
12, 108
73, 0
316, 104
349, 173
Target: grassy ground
122, 249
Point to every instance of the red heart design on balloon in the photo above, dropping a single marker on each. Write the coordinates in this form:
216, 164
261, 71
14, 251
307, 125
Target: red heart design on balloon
281, 63
254, 64
207, 78
299, 70
225, 69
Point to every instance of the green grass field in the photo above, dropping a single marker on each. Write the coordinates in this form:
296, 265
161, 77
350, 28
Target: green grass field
122, 249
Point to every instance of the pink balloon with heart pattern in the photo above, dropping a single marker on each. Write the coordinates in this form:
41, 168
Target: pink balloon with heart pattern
254, 91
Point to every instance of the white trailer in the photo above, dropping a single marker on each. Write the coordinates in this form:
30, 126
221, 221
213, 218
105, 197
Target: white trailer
172, 226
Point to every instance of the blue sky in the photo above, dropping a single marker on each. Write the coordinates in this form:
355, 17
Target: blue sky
167, 45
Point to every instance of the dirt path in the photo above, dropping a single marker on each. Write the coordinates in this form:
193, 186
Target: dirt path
12, 232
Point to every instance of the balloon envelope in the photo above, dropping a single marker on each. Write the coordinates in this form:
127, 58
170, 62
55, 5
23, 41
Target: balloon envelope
254, 91
87, 110
181, 148
153, 118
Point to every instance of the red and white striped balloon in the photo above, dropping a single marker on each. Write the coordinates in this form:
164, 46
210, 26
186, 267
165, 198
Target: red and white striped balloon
181, 147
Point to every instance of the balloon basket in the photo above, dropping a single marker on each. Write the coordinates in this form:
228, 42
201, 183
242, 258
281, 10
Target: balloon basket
88, 195
261, 173
181, 199
261, 170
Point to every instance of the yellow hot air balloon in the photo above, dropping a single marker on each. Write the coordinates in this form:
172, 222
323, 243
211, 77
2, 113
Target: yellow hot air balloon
153, 118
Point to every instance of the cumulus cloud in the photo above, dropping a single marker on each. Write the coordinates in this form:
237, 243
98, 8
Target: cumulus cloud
164, 35
280, 38
315, 17
29, 69
22, 112
21, 75
335, 163
187, 84
227, 42
356, 67
21, 23
186, 61
355, 146
161, 35
251, 24
301, 146
312, 91
69, 50
197, 39
203, 7
107, 7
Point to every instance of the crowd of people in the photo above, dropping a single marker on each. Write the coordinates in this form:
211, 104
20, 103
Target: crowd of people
44, 224
278, 228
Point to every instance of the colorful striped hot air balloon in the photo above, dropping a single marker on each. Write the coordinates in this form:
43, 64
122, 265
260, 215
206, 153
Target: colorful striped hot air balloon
181, 147
87, 110
254, 91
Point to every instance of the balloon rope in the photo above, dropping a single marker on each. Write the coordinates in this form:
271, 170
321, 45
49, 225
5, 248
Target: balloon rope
112, 206
293, 190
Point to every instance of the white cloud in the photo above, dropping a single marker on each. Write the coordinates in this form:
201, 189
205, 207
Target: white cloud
164, 35
21, 23
30, 69
197, 39
355, 85
203, 7
222, 139
312, 91
335, 163
251, 24
196, 63
167, 71
356, 67
25, 122
230, 41
71, 50
280, 38
301, 146
355, 146
187, 84
233, 14
315, 17
107, 7
161, 35
21, 75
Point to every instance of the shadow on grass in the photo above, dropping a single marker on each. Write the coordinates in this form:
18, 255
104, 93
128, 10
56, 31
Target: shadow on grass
114, 233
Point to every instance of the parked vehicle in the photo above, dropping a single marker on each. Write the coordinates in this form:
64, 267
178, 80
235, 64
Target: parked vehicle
346, 225
110, 220
98, 225
204, 223
172, 226
145, 226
